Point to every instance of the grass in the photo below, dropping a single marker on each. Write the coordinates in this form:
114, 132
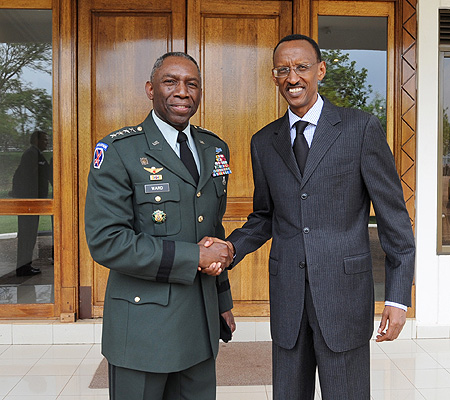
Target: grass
8, 223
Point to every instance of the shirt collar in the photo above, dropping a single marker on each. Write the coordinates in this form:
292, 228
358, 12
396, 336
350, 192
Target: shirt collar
312, 116
169, 132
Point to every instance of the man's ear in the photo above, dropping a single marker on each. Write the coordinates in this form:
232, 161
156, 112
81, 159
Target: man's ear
149, 90
322, 70
275, 80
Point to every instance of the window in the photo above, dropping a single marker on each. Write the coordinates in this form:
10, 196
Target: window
26, 177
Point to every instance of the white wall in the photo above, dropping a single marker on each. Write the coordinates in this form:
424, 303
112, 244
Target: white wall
432, 271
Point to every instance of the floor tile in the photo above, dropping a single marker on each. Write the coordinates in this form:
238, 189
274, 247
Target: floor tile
25, 351
401, 347
58, 366
416, 361
436, 394
381, 362
68, 351
95, 352
412, 394
40, 386
429, 378
79, 386
87, 367
32, 397
389, 380
85, 397
442, 358
16, 366
434, 345
7, 383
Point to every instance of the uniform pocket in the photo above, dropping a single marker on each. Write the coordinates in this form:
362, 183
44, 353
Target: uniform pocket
159, 208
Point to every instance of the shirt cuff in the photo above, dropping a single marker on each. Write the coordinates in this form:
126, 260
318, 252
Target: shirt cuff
391, 303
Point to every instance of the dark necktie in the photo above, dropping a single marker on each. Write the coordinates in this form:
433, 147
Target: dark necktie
300, 146
186, 156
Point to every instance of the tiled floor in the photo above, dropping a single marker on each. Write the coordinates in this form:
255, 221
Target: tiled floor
401, 370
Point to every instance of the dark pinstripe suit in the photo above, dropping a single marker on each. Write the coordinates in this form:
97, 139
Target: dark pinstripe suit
320, 220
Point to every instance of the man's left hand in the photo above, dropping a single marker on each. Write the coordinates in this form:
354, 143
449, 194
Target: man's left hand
394, 318
229, 318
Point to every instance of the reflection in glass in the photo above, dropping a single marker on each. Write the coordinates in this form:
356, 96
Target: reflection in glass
445, 129
26, 240
25, 101
355, 52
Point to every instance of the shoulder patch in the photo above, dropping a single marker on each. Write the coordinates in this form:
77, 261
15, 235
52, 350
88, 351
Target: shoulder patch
125, 132
99, 154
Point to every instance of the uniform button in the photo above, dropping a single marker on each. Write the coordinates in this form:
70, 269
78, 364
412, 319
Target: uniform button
306, 230
137, 299
302, 264
200, 218
139, 128
157, 198
199, 194
304, 196
224, 190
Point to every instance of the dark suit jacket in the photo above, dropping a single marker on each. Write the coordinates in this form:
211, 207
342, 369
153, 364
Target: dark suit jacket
160, 314
321, 219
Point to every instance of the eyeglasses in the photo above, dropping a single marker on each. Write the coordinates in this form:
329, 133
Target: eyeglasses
283, 72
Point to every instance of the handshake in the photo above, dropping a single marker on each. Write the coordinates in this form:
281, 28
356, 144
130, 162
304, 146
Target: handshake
215, 255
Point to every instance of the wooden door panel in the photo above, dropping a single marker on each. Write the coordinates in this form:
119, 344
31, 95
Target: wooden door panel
118, 45
233, 42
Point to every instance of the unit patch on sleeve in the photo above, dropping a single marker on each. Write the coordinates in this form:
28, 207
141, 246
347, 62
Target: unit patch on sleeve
99, 154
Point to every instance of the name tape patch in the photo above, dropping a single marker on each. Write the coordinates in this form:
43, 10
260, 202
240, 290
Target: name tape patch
157, 188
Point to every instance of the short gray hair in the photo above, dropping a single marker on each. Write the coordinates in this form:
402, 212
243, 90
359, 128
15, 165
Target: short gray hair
159, 62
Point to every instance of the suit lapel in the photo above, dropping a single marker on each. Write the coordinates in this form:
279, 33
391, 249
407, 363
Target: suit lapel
282, 144
327, 131
161, 151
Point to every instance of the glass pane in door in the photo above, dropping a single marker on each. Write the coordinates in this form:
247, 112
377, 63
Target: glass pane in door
25, 103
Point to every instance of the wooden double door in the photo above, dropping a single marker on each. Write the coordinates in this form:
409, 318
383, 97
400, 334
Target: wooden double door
233, 42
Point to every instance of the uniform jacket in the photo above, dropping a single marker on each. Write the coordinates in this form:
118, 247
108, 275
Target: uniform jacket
321, 220
160, 314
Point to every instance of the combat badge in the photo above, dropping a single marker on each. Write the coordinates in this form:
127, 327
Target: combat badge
159, 217
99, 154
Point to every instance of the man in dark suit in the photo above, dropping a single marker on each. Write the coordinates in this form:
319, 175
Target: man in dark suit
313, 188
155, 190
30, 181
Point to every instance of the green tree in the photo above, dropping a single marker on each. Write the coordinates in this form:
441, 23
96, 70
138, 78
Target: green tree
343, 84
22, 107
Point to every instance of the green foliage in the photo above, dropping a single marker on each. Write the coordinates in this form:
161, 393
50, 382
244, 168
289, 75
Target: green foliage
343, 84
346, 86
23, 108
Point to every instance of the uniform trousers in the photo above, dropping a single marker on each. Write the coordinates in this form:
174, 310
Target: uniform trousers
195, 383
342, 376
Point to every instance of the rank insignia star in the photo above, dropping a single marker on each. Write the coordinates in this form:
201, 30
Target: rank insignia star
153, 170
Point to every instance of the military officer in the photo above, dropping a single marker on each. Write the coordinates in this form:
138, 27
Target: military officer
155, 190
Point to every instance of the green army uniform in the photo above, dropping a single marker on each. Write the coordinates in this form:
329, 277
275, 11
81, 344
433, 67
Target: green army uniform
144, 218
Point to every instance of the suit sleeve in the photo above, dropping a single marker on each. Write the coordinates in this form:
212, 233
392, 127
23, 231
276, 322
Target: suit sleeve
394, 226
113, 242
258, 228
223, 284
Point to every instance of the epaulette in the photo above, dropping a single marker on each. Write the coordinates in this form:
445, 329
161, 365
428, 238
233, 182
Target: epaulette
127, 131
199, 128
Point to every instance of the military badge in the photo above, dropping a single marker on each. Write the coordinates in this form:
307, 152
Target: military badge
156, 177
159, 217
144, 160
99, 154
221, 166
153, 170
